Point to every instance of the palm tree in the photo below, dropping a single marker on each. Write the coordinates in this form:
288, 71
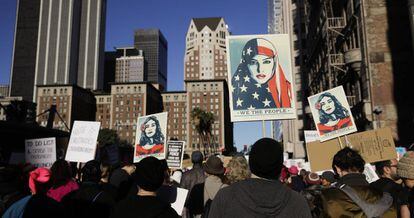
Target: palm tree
203, 122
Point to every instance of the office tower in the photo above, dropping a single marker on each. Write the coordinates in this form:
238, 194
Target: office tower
285, 17
51, 39
175, 103
92, 44
205, 54
24, 49
155, 48
129, 65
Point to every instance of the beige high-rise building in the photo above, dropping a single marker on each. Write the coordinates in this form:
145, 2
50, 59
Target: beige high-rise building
205, 53
103, 109
130, 65
211, 96
175, 103
72, 103
130, 101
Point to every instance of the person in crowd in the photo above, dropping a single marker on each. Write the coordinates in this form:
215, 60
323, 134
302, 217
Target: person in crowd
237, 170
352, 196
328, 179
90, 200
389, 179
201, 195
262, 195
61, 180
149, 176
312, 179
106, 171
405, 170
12, 186
193, 176
38, 204
196, 174
295, 181
123, 182
312, 193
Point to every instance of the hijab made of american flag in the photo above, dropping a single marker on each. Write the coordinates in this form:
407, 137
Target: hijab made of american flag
247, 93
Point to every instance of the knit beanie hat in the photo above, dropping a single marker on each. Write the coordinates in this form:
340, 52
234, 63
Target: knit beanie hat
405, 167
149, 174
312, 179
39, 175
266, 158
197, 157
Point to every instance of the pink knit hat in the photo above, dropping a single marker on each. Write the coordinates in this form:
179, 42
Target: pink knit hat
39, 175
293, 170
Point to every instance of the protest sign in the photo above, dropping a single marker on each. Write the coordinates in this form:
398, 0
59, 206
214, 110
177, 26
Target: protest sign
311, 136
370, 174
40, 152
400, 152
331, 113
151, 136
260, 72
174, 196
373, 145
82, 142
175, 154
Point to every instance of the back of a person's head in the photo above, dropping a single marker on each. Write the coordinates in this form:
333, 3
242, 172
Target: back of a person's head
61, 173
91, 172
197, 157
348, 160
238, 169
379, 166
149, 174
39, 180
266, 158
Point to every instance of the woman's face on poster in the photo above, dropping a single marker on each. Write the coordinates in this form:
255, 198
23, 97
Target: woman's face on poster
150, 128
261, 68
327, 105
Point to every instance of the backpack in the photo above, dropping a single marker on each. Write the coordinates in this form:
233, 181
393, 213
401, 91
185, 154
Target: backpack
369, 209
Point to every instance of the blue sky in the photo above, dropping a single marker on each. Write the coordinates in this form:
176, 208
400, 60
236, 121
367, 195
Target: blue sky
172, 17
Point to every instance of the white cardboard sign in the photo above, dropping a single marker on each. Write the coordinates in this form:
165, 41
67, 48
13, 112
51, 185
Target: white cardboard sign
82, 142
40, 152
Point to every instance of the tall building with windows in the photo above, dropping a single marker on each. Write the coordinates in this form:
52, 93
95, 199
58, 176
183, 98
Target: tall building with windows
91, 44
211, 96
57, 42
205, 54
24, 49
286, 17
130, 65
155, 47
175, 103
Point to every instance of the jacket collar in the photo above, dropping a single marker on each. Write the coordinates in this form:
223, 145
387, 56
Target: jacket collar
354, 179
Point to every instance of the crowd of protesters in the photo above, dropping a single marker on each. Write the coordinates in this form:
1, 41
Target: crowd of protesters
258, 187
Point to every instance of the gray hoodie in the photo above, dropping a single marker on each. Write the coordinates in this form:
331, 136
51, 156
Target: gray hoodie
257, 197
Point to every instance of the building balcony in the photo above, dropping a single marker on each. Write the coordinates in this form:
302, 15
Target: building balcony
353, 59
351, 100
336, 59
336, 22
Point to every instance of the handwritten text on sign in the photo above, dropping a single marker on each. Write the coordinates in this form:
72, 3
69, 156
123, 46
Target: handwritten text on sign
41, 152
82, 142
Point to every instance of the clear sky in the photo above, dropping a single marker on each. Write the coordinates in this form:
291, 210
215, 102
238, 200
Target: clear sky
172, 17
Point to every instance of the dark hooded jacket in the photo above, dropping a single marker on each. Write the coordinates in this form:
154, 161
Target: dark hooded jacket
258, 198
336, 203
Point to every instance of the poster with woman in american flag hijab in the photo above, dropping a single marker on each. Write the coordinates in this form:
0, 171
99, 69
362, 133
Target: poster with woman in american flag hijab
260, 77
